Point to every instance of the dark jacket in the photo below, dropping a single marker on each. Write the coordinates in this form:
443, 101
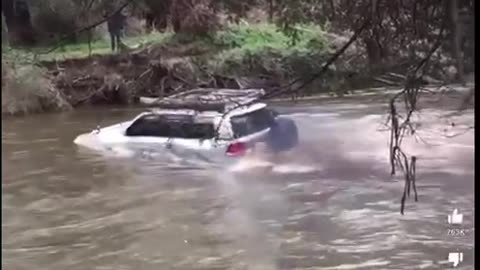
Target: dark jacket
116, 23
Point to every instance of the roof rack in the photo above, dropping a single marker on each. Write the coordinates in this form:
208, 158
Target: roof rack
210, 99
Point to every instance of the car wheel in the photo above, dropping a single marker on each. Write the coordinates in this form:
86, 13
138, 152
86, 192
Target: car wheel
283, 135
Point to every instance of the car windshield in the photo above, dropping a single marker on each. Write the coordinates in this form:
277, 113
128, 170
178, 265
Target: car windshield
170, 126
256, 121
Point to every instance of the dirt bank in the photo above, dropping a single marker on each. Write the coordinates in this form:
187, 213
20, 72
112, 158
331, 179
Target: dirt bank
122, 78
162, 69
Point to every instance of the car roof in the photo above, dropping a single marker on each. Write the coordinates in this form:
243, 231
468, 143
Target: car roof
211, 117
239, 110
210, 100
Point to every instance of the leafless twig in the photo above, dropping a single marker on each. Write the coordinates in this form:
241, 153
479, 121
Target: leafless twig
413, 85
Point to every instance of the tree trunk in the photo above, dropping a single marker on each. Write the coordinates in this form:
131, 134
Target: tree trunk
456, 39
178, 11
8, 11
374, 49
373, 52
270, 10
4, 31
332, 9
17, 19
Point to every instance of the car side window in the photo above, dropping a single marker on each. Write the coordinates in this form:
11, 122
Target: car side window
153, 125
252, 122
144, 126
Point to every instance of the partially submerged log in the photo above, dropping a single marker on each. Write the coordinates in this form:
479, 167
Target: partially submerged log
205, 99
148, 101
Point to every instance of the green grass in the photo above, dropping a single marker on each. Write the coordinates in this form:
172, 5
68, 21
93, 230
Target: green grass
237, 41
80, 50
103, 46
258, 37
263, 48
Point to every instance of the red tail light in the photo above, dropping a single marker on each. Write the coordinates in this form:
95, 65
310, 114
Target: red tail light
236, 149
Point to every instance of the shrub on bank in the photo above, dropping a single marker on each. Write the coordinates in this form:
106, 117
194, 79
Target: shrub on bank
26, 88
263, 49
256, 51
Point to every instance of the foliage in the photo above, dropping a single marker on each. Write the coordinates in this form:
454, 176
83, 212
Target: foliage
196, 17
264, 49
54, 19
26, 88
398, 29
238, 9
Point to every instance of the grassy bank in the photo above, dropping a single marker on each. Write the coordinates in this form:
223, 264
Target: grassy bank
234, 40
238, 50
83, 50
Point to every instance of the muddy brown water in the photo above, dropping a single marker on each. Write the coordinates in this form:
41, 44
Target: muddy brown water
331, 204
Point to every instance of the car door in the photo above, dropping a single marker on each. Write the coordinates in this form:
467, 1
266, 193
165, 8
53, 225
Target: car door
176, 134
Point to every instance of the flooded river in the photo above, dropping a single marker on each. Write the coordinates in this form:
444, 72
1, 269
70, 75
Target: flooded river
331, 204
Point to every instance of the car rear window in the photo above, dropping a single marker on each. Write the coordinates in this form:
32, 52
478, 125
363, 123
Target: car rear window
247, 124
170, 126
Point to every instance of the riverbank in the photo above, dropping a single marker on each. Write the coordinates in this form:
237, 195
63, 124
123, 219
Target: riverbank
239, 56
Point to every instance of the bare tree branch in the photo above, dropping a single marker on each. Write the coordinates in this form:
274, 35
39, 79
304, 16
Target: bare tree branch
287, 88
413, 85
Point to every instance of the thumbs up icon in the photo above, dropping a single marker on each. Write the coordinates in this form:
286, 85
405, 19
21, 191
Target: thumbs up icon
455, 258
455, 217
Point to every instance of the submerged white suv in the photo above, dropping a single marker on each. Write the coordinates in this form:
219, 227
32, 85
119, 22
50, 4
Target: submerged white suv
212, 124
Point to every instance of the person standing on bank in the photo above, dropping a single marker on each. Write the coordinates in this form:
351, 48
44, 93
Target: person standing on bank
116, 24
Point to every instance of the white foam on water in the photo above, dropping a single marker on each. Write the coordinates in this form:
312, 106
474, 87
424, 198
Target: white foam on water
370, 264
311, 115
87, 140
293, 168
264, 165
120, 151
239, 222
249, 164
361, 139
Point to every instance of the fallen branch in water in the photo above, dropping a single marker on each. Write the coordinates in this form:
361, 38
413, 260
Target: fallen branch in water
89, 96
413, 86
